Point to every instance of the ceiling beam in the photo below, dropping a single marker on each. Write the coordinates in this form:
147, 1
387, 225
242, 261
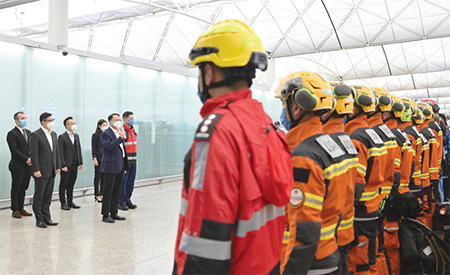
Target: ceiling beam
13, 3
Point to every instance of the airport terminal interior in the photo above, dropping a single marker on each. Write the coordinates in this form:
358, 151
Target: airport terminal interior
90, 58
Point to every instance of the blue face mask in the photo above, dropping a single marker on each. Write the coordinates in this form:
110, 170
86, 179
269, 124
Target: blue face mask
23, 123
284, 121
131, 122
345, 119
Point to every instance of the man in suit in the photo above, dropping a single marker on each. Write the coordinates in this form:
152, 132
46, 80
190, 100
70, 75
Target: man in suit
114, 165
71, 161
19, 166
45, 164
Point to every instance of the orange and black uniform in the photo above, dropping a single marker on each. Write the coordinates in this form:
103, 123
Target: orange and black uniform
230, 222
415, 184
435, 173
345, 233
369, 179
317, 199
427, 150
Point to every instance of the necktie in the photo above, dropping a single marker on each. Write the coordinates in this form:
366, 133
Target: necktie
25, 135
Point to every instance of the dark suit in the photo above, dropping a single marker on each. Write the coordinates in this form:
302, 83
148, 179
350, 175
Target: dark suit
113, 166
71, 157
20, 171
47, 161
97, 152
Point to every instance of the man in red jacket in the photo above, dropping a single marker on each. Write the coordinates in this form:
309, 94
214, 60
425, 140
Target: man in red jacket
238, 173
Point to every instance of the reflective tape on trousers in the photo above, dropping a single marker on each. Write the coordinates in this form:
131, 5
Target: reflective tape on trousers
183, 209
205, 248
259, 219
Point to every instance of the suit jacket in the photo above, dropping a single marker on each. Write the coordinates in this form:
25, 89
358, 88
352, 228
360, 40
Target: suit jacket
19, 147
42, 157
66, 150
97, 149
113, 160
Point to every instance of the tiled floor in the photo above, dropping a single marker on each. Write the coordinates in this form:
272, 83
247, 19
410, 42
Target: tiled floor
83, 244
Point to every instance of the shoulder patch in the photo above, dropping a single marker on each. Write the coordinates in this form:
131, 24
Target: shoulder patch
301, 174
206, 127
348, 144
374, 136
330, 146
387, 131
297, 197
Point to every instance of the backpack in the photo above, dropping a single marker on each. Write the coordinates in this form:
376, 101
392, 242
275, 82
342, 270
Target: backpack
441, 221
421, 250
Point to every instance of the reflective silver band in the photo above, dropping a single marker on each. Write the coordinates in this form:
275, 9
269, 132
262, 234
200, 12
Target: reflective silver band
321, 271
201, 155
259, 219
365, 219
131, 143
183, 209
205, 248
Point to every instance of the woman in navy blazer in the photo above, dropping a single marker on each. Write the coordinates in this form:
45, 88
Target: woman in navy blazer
114, 165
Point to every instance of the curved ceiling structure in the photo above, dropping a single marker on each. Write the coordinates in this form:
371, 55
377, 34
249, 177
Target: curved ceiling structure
400, 45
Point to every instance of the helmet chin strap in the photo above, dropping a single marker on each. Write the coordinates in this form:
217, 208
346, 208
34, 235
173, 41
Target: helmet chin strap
205, 93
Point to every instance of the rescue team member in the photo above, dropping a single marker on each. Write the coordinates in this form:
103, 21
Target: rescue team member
375, 120
318, 197
236, 180
370, 177
404, 161
415, 184
333, 125
431, 135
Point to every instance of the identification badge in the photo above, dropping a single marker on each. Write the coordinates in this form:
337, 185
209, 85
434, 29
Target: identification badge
387, 131
348, 144
442, 211
330, 146
374, 136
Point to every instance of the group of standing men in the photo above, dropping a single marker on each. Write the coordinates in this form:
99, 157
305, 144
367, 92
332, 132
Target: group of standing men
325, 199
43, 155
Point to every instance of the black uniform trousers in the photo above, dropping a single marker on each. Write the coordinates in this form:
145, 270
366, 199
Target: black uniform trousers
112, 184
20, 182
98, 183
67, 183
43, 190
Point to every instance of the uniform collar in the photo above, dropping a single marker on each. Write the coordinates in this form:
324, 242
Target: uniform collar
404, 125
356, 123
334, 125
215, 102
391, 123
304, 130
127, 127
375, 120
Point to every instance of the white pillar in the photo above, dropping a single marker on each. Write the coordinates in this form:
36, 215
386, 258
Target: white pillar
58, 15
270, 72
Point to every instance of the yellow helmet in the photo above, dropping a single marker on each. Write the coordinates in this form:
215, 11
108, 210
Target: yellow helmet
227, 44
384, 100
419, 118
397, 106
309, 90
364, 98
344, 101
427, 110
280, 84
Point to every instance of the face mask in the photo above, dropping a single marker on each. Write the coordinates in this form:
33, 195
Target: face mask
74, 127
104, 128
284, 121
51, 125
23, 123
117, 124
345, 119
131, 122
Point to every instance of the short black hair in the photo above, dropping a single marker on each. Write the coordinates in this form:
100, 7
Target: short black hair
126, 114
112, 115
44, 116
16, 115
65, 120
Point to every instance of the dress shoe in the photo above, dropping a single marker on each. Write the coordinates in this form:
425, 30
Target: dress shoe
24, 212
108, 219
131, 205
118, 218
73, 205
41, 224
98, 199
65, 207
51, 223
16, 214
123, 206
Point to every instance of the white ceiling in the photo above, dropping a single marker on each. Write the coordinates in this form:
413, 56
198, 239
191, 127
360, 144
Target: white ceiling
400, 45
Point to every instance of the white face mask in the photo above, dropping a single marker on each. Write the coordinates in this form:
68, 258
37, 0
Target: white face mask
104, 128
117, 124
74, 127
51, 125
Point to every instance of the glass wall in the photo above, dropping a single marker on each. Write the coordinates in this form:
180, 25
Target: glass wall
165, 105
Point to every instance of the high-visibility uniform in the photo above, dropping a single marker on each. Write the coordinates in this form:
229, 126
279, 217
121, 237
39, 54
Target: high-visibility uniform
391, 225
415, 185
428, 161
317, 201
369, 179
376, 123
345, 233
229, 221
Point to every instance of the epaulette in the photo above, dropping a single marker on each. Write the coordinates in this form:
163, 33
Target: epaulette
206, 127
